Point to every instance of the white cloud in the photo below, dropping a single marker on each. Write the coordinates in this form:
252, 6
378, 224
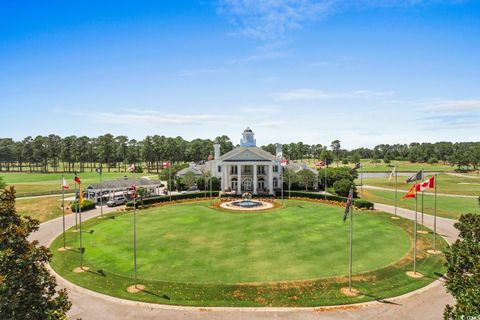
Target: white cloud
271, 19
313, 94
443, 105
259, 110
150, 117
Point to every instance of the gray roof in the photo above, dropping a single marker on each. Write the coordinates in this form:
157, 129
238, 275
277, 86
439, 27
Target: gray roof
297, 167
195, 169
123, 183
259, 151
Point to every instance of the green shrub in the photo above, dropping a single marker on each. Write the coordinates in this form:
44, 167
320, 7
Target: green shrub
342, 187
87, 205
175, 197
363, 204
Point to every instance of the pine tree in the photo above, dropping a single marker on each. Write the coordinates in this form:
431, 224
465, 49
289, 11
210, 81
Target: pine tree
27, 290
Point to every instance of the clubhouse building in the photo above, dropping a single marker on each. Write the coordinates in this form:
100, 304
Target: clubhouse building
247, 168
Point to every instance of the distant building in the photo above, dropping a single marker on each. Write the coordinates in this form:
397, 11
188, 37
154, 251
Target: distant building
121, 187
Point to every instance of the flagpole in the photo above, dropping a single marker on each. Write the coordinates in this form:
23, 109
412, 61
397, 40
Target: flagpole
169, 180
396, 189
325, 191
423, 177
76, 209
351, 249
80, 222
361, 179
63, 210
283, 176
101, 193
289, 174
134, 229
415, 232
435, 217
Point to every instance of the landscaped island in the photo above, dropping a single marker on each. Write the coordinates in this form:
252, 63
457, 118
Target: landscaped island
296, 255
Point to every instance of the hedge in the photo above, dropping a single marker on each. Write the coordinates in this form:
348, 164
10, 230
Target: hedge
181, 196
87, 205
359, 203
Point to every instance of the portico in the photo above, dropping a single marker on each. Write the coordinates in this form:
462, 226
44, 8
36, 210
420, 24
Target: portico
248, 176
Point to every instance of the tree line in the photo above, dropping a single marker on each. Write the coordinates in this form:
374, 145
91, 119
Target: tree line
72, 153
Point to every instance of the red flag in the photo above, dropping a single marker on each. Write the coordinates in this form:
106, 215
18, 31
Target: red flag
284, 162
64, 184
166, 164
411, 193
77, 179
209, 157
320, 163
134, 191
427, 184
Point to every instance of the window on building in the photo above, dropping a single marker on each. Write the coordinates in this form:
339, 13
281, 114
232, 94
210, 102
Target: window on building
261, 169
275, 182
219, 168
275, 168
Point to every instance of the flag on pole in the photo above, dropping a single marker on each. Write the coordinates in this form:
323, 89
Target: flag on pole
427, 184
77, 179
134, 191
411, 193
392, 174
357, 166
416, 176
131, 168
80, 197
166, 164
319, 164
64, 184
209, 157
98, 170
284, 162
348, 204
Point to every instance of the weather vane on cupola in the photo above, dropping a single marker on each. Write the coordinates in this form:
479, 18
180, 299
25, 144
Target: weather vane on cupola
248, 139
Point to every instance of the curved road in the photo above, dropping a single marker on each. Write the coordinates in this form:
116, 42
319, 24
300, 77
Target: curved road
426, 303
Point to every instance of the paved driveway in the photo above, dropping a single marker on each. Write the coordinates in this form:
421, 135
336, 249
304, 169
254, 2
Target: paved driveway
427, 303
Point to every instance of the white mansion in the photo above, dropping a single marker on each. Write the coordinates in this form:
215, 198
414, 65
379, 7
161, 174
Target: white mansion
247, 168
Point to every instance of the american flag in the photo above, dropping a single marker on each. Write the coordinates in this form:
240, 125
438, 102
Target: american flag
131, 168
348, 204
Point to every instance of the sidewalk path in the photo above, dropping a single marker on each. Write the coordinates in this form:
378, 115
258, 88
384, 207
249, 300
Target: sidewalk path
365, 186
463, 175
427, 303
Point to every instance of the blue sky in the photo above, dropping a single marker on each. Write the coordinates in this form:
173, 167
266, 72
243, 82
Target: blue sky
362, 71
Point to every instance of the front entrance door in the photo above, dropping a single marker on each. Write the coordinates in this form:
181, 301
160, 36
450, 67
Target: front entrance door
247, 184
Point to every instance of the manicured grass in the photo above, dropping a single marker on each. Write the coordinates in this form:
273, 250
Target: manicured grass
42, 209
447, 207
35, 183
445, 184
192, 254
401, 166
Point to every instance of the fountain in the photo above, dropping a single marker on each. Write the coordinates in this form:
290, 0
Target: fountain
246, 204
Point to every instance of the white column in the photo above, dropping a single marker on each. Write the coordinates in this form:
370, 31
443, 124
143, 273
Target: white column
270, 178
239, 178
224, 177
255, 182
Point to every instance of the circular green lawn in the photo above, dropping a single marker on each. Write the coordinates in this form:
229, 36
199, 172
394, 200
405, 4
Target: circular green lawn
193, 244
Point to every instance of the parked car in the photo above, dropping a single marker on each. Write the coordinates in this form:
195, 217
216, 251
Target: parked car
192, 189
116, 202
